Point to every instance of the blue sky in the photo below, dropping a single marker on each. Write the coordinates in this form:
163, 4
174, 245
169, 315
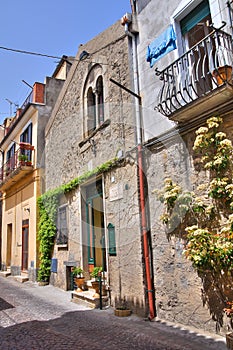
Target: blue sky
52, 27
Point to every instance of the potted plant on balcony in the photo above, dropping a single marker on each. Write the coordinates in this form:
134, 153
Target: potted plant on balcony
223, 71
96, 274
78, 277
26, 146
23, 160
223, 74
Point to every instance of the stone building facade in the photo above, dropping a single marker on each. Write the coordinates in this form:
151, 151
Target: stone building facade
179, 93
93, 125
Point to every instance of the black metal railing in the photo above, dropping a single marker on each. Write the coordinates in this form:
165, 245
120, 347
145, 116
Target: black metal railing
27, 100
203, 68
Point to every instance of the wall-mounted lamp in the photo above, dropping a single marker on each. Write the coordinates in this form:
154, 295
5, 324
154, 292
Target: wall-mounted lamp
27, 209
83, 55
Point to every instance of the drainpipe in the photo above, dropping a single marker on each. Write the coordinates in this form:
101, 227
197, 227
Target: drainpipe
230, 17
144, 229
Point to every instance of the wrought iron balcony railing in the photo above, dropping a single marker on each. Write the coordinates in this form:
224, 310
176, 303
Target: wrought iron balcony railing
23, 157
27, 101
198, 72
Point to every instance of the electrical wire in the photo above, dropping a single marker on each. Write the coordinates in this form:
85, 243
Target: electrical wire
29, 52
58, 57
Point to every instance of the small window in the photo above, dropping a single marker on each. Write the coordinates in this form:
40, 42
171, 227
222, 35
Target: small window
62, 226
11, 158
26, 136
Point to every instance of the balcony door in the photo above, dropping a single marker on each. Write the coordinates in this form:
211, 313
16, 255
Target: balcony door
26, 137
194, 28
94, 218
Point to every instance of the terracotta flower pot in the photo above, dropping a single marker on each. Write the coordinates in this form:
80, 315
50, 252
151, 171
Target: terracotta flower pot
122, 312
223, 74
79, 281
95, 286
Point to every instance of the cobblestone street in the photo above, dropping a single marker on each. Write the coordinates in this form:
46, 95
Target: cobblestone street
33, 317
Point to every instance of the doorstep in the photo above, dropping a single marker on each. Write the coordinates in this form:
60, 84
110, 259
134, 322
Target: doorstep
87, 298
21, 278
5, 273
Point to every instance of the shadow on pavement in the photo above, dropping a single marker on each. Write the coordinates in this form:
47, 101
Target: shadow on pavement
101, 330
4, 305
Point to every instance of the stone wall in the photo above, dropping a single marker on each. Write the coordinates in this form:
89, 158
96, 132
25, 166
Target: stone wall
65, 157
70, 153
182, 294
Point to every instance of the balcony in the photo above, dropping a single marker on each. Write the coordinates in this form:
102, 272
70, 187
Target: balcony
17, 166
199, 81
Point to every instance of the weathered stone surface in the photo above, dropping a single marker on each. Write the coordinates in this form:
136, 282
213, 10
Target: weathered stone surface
70, 153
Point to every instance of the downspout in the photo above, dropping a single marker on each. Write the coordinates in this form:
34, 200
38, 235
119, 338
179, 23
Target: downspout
230, 17
144, 230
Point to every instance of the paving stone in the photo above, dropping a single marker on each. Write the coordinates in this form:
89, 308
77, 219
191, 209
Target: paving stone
36, 318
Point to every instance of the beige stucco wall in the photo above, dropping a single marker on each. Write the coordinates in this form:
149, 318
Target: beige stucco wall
19, 203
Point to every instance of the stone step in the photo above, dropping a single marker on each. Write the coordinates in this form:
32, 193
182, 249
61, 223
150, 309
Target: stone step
89, 298
5, 273
21, 278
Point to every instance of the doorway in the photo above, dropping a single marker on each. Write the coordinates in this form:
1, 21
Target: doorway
194, 28
9, 245
95, 232
25, 236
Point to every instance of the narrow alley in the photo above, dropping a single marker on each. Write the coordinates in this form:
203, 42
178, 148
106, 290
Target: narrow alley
34, 317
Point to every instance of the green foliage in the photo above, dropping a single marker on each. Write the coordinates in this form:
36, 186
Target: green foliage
96, 271
48, 204
23, 157
77, 271
210, 236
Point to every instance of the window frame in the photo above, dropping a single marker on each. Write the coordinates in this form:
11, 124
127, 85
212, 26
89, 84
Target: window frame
62, 238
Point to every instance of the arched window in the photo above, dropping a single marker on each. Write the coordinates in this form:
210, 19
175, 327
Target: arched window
91, 111
93, 100
100, 99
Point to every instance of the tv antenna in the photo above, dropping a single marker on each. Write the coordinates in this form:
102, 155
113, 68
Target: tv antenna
11, 103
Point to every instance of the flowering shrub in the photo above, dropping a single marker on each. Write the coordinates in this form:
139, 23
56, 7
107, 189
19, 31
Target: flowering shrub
210, 236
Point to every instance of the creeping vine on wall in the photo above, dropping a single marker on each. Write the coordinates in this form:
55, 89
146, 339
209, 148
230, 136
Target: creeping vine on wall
48, 204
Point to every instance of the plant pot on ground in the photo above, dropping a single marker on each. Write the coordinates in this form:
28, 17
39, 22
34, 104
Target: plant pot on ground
122, 309
96, 274
122, 312
78, 278
43, 283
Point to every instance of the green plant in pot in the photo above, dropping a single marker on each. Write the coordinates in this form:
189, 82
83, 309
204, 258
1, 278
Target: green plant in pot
24, 160
122, 309
96, 274
78, 277
78, 271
